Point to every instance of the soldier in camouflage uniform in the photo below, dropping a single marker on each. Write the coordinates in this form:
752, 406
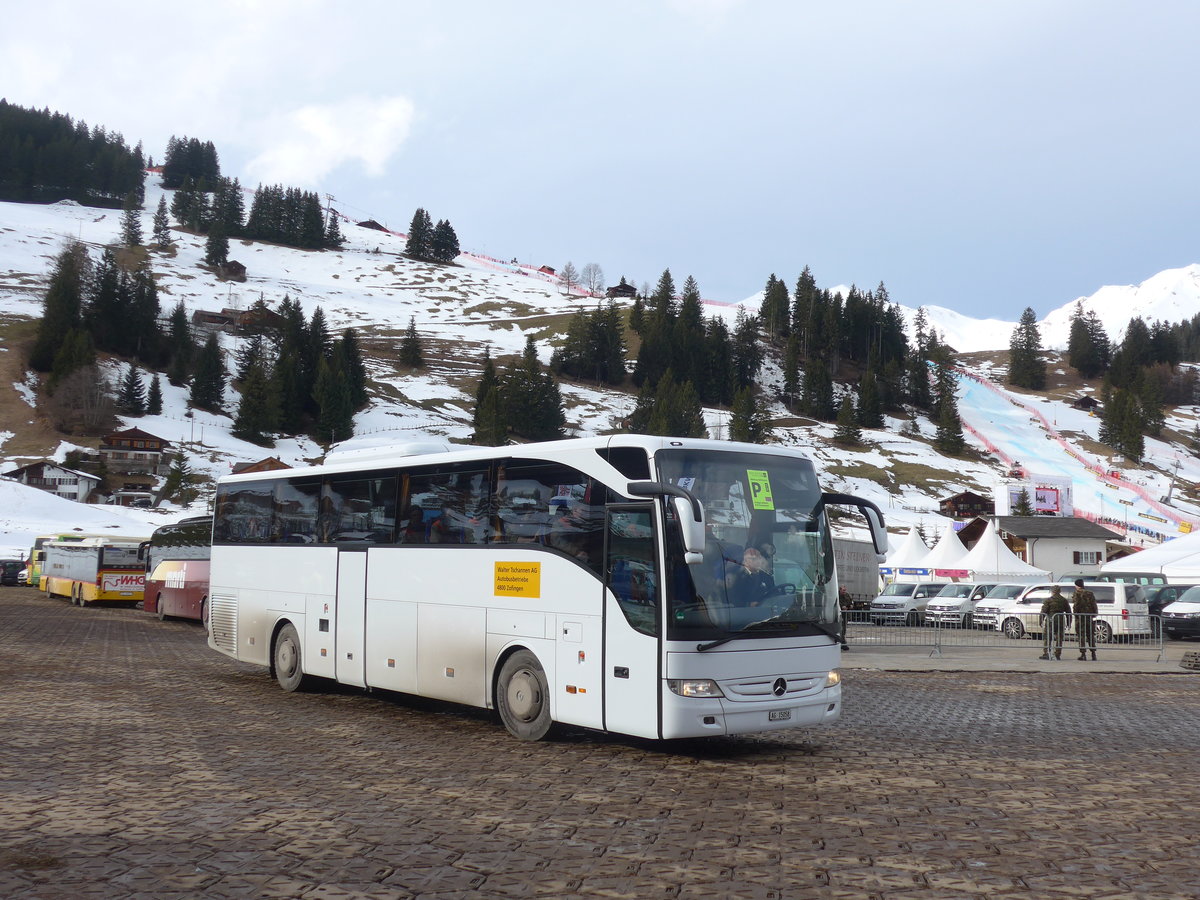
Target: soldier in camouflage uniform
1083, 605
1053, 623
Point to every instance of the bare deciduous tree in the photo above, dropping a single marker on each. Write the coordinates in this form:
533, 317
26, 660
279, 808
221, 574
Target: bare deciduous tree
569, 276
82, 403
593, 278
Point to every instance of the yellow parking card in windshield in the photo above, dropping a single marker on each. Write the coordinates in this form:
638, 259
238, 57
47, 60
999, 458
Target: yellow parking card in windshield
760, 489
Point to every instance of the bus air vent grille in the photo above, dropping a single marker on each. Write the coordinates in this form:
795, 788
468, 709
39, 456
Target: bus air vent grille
223, 616
764, 688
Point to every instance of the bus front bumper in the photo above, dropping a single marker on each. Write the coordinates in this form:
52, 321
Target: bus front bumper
687, 717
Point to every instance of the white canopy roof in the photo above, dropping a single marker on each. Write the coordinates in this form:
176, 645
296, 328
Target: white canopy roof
947, 553
910, 552
991, 560
1178, 559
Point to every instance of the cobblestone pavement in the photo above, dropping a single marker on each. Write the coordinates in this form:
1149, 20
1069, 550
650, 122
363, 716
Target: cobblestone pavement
137, 763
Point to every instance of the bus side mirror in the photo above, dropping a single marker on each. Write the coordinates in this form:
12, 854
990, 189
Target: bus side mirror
873, 515
692, 530
688, 510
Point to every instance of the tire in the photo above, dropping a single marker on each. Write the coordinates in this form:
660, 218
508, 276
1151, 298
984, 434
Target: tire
158, 608
1104, 633
968, 621
286, 660
204, 614
913, 619
1013, 629
523, 697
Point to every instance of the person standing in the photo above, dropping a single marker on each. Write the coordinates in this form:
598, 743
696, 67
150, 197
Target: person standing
1056, 614
1083, 605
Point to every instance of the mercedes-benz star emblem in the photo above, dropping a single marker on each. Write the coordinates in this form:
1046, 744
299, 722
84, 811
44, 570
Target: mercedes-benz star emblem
780, 687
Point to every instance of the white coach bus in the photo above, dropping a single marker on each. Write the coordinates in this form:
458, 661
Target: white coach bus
656, 587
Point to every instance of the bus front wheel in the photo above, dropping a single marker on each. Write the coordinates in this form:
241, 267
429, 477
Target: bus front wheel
523, 697
158, 607
286, 655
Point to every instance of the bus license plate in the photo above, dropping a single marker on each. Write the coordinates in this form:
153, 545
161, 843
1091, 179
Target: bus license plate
779, 715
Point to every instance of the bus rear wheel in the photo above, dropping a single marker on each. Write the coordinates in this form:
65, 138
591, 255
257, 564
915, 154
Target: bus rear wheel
523, 697
286, 656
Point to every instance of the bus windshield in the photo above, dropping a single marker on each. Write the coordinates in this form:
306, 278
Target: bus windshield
768, 556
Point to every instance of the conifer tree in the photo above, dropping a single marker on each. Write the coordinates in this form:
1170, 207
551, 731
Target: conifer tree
333, 233
816, 394
258, 412
847, 432
444, 242
63, 305
747, 352
490, 429
775, 311
532, 401
154, 398
1026, 368
410, 346
216, 246
669, 409
419, 244
208, 378
356, 369
179, 345
1023, 506
131, 221
76, 352
131, 399
748, 421
870, 403
162, 224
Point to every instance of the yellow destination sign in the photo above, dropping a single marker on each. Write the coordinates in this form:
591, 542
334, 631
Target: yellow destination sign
518, 579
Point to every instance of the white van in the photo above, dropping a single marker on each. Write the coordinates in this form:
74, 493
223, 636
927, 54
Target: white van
903, 603
955, 604
987, 610
1122, 611
1181, 619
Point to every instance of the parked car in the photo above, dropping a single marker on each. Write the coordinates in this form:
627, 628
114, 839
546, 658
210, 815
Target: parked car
10, 569
1159, 596
23, 576
1121, 610
903, 603
955, 604
988, 608
1181, 619
1126, 577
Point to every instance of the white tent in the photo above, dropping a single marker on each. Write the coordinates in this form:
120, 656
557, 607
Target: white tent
945, 559
907, 556
991, 560
1178, 559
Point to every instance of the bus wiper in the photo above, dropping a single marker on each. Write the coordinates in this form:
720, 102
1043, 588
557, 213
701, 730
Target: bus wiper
763, 626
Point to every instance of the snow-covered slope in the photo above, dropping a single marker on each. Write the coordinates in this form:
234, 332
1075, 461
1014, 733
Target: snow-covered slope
483, 302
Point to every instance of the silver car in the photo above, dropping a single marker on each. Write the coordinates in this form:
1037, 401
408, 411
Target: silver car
955, 604
903, 603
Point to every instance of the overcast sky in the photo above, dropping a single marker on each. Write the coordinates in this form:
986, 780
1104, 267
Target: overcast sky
982, 156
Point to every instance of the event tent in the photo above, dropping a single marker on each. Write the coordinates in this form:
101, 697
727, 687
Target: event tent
906, 558
945, 559
1178, 559
991, 560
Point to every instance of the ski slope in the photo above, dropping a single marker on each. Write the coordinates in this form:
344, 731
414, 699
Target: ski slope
1030, 436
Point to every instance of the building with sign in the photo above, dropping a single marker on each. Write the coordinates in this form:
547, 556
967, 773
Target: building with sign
1055, 543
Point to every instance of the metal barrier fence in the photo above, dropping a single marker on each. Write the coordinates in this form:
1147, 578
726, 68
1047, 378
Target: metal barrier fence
1110, 632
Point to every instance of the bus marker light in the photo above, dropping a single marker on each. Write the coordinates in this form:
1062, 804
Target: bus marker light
582, 656
449, 672
391, 664
324, 652
570, 689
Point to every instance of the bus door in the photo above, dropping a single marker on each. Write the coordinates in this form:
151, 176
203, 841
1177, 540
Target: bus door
351, 615
632, 620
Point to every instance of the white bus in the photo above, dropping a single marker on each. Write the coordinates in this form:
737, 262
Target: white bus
603, 582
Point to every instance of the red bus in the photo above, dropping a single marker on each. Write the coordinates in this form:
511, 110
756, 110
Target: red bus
177, 569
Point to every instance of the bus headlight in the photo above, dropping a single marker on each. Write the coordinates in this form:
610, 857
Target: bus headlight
833, 679
699, 687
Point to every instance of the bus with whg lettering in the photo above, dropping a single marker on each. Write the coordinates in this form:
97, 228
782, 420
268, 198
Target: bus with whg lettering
655, 587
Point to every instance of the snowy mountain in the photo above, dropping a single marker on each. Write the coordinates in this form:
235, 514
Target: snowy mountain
482, 302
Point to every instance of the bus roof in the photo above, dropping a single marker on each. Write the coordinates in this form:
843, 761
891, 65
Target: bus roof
550, 450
